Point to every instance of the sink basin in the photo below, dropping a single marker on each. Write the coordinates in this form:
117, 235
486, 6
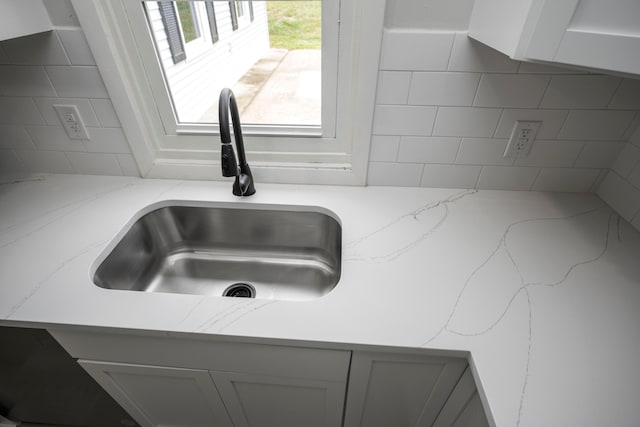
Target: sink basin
261, 251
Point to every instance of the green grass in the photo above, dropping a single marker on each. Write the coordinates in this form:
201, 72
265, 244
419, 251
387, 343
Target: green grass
294, 24
186, 19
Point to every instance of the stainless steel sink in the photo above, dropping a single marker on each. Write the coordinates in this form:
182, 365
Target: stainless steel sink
288, 253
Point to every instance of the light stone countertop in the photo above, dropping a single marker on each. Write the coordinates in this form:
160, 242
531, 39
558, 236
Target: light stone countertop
542, 289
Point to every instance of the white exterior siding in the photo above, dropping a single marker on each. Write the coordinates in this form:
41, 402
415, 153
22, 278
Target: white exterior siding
196, 82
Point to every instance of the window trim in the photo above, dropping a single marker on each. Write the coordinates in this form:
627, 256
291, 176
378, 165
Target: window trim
342, 159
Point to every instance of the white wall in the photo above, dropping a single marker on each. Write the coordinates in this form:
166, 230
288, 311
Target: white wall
57, 67
450, 15
446, 105
621, 187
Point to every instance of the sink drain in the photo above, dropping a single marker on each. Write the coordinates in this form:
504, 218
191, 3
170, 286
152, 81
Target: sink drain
240, 290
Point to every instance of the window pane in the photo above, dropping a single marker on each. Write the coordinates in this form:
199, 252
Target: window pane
272, 63
188, 20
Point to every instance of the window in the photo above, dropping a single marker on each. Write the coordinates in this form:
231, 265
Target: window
167, 146
188, 20
274, 61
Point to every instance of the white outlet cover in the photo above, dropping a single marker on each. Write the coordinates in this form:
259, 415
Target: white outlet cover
520, 146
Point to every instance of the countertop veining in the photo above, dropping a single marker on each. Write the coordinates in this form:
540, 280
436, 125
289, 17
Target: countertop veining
542, 289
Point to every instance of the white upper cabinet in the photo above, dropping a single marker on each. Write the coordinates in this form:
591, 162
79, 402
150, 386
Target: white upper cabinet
23, 17
600, 34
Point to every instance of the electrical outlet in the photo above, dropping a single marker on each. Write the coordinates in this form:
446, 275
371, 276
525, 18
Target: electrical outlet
72, 122
522, 138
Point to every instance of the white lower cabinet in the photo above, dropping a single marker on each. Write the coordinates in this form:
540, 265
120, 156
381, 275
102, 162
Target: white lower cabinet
161, 396
393, 389
259, 400
183, 382
463, 408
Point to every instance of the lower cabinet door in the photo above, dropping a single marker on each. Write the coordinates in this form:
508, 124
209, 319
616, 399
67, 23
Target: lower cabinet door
390, 389
274, 401
463, 408
162, 396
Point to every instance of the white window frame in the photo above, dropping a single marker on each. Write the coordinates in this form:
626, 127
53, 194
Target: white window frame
339, 156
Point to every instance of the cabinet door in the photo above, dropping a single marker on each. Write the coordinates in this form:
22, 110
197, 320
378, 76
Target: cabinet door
274, 401
23, 17
602, 34
463, 408
161, 396
398, 389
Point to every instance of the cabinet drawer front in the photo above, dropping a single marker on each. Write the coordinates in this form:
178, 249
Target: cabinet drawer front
207, 354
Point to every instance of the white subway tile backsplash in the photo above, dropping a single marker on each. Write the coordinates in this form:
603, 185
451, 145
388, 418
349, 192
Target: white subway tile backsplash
483, 151
107, 140
13, 136
37, 49
95, 163
128, 165
585, 91
634, 177
511, 90
552, 121
572, 180
403, 120
599, 125
44, 161
599, 154
393, 87
24, 80
552, 154
395, 174
634, 138
507, 178
601, 176
426, 149
627, 96
53, 138
450, 176
384, 148
3, 56
636, 221
623, 197
77, 81
470, 55
469, 109
534, 68
45, 105
37, 74
106, 113
627, 160
466, 121
19, 111
453, 89
415, 51
9, 163
76, 46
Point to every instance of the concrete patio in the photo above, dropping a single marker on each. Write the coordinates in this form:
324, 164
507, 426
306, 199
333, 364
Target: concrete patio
284, 87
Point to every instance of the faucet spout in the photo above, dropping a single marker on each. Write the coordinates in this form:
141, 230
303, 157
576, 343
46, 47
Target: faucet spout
243, 184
